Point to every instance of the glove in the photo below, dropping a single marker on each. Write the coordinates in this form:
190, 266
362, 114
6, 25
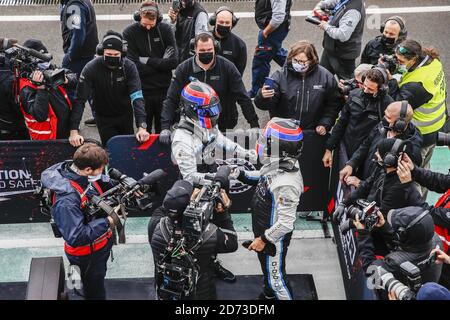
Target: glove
169, 52
143, 60
338, 212
165, 137
222, 175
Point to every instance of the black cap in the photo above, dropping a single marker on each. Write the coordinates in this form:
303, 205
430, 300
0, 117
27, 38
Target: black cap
113, 40
35, 45
178, 197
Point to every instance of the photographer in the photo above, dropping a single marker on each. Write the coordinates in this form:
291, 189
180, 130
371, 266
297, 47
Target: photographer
395, 124
88, 238
220, 74
218, 236
279, 185
393, 31
302, 90
384, 185
152, 47
114, 83
343, 35
12, 126
410, 235
47, 109
188, 19
423, 86
362, 112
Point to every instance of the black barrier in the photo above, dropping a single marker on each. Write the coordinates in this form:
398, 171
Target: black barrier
355, 281
22, 163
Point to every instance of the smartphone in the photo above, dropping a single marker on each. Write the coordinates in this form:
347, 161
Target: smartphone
268, 82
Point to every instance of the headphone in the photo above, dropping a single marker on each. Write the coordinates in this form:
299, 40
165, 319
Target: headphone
148, 7
400, 124
403, 32
100, 49
217, 47
213, 18
384, 86
390, 159
402, 231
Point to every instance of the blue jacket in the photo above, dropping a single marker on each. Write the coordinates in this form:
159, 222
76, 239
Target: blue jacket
66, 210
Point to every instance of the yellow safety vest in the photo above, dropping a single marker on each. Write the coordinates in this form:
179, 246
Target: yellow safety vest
431, 116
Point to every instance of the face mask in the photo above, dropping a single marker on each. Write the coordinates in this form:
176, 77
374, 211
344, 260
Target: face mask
402, 69
386, 124
300, 67
223, 31
112, 62
206, 57
187, 4
94, 178
388, 41
369, 95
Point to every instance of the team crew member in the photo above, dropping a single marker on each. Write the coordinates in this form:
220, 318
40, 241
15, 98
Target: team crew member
87, 238
114, 83
423, 85
47, 110
80, 38
152, 47
343, 35
393, 31
221, 75
231, 46
279, 185
188, 20
273, 18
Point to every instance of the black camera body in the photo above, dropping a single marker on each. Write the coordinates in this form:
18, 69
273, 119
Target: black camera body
410, 273
390, 62
367, 213
348, 85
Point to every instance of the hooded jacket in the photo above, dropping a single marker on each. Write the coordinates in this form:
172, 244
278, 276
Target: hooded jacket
76, 228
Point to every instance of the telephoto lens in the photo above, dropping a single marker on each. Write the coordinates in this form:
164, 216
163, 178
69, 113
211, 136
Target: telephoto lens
401, 291
443, 139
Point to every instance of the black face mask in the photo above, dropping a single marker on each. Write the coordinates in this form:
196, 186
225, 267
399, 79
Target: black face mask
386, 124
112, 62
223, 31
206, 57
389, 42
369, 96
187, 4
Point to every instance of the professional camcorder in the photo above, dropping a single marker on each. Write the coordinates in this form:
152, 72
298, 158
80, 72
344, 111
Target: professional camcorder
348, 85
390, 62
115, 202
177, 270
367, 213
410, 274
25, 61
443, 139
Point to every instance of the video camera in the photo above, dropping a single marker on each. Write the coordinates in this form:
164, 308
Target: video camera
367, 213
443, 139
390, 62
177, 271
27, 60
412, 277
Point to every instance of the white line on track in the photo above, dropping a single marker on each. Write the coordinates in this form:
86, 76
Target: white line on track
120, 17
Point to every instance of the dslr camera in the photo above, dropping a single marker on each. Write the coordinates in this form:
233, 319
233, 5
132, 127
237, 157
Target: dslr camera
390, 62
443, 139
348, 85
411, 276
367, 213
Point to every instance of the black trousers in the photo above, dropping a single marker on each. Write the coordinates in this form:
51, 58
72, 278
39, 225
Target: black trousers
343, 68
276, 284
153, 106
93, 272
109, 127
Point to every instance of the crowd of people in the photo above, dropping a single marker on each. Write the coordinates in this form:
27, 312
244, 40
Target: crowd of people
179, 80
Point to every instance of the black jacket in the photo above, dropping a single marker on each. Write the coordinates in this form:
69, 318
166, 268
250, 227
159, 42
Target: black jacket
313, 99
373, 49
224, 78
156, 73
79, 42
36, 103
434, 181
185, 29
363, 156
223, 241
234, 49
263, 13
358, 117
387, 190
112, 91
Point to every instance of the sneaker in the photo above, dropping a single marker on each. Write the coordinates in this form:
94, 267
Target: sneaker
222, 273
90, 122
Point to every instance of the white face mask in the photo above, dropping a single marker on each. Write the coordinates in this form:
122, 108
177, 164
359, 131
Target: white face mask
94, 178
300, 67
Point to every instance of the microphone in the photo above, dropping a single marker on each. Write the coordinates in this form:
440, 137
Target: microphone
46, 57
221, 177
148, 180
